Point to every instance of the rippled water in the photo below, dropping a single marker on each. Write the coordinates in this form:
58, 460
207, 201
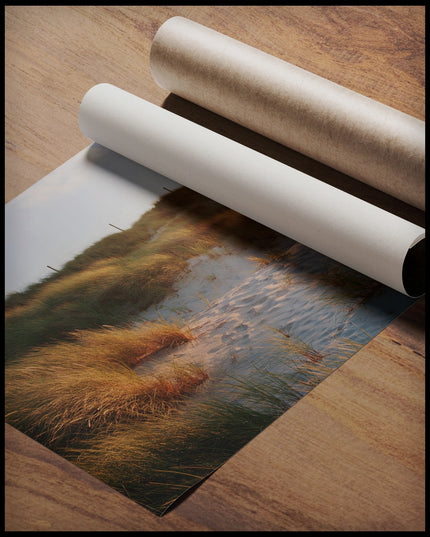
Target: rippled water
301, 312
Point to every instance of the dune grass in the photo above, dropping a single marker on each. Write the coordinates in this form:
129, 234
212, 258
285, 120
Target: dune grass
290, 343
110, 291
81, 386
71, 350
129, 345
156, 462
124, 273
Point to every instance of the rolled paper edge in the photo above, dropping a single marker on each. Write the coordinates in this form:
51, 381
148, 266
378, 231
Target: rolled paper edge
94, 119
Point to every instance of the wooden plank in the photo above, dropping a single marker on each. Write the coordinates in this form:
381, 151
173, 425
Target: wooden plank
350, 454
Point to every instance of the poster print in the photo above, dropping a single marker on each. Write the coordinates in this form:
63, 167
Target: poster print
170, 330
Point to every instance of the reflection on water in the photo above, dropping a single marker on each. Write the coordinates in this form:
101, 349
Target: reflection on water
299, 315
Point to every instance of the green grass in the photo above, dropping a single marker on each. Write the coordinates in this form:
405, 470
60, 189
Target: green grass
124, 273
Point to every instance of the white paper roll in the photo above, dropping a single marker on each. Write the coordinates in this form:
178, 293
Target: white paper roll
347, 229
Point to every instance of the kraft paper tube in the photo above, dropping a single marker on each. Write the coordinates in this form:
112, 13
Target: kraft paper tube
358, 234
365, 139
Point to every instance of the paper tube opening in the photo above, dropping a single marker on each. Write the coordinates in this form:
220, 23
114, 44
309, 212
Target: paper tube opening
413, 273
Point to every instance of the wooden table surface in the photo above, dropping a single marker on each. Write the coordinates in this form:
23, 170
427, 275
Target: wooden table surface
350, 454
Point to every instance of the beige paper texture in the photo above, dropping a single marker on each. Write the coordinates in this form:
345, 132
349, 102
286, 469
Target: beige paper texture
365, 139
343, 227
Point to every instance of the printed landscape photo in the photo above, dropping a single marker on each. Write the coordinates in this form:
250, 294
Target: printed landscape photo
152, 356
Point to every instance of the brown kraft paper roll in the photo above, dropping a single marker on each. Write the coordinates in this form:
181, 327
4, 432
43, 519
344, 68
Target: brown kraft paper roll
354, 134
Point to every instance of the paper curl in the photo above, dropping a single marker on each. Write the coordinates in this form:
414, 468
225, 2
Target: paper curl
335, 223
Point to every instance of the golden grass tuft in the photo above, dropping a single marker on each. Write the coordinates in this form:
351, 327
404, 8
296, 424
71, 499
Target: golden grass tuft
130, 346
88, 384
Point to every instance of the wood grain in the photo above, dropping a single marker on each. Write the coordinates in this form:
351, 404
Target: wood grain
349, 455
